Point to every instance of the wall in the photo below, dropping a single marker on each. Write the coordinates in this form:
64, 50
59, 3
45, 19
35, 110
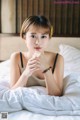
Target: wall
65, 18
12, 44
8, 16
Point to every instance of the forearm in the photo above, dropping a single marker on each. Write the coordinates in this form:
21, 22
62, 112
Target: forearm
51, 84
21, 82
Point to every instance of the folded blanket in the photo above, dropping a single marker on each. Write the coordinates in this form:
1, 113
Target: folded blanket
35, 99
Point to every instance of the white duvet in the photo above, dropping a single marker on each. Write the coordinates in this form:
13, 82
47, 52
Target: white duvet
35, 99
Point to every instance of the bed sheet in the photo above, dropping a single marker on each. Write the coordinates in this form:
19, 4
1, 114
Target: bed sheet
26, 115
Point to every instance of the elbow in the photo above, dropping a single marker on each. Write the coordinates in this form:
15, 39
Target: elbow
12, 87
55, 93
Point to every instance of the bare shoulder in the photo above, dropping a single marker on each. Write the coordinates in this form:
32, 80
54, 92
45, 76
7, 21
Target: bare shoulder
60, 58
53, 55
50, 54
60, 63
15, 57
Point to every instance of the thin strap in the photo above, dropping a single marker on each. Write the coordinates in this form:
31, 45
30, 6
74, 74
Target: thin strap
53, 68
21, 59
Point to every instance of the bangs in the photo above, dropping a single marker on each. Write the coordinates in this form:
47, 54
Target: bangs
36, 21
41, 25
41, 22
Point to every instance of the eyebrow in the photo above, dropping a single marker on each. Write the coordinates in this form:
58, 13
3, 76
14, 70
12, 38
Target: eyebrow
42, 33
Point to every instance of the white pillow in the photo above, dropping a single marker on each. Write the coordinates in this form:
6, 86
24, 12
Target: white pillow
71, 59
5, 71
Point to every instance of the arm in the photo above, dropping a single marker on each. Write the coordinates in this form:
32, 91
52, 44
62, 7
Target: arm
18, 80
54, 82
15, 77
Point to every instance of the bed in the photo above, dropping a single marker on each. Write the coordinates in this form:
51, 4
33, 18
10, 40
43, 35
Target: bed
70, 49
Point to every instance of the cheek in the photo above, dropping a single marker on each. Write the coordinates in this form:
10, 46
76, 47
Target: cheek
45, 43
29, 40
29, 44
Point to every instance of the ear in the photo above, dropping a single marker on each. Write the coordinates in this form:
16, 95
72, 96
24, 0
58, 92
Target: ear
24, 36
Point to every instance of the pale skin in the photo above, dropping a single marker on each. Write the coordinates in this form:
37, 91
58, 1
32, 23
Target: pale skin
37, 37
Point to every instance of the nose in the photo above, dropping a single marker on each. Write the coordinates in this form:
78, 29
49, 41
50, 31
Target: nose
37, 42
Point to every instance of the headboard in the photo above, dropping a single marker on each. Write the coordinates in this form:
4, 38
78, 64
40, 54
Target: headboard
11, 44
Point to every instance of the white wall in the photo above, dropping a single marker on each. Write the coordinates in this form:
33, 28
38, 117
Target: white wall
9, 45
8, 16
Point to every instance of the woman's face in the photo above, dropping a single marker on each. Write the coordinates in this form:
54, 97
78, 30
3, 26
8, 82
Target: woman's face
37, 39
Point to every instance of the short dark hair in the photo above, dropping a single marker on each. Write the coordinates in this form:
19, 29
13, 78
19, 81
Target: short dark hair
40, 21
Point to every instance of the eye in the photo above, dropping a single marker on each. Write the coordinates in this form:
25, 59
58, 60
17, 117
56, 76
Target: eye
33, 36
43, 36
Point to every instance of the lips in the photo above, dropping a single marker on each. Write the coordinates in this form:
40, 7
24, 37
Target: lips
37, 48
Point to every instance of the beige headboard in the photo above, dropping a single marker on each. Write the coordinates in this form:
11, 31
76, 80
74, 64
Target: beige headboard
11, 44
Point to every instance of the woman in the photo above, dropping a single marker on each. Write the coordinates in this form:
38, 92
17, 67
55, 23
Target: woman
36, 67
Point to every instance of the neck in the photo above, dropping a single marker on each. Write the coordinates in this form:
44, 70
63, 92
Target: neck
29, 55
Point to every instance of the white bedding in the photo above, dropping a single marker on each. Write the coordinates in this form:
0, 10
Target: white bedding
26, 115
44, 106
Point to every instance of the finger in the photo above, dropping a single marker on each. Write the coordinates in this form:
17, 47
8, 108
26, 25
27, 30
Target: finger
41, 67
36, 65
33, 58
33, 62
34, 69
33, 66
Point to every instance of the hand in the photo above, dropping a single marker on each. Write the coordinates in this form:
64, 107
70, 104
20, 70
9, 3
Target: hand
40, 66
33, 65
